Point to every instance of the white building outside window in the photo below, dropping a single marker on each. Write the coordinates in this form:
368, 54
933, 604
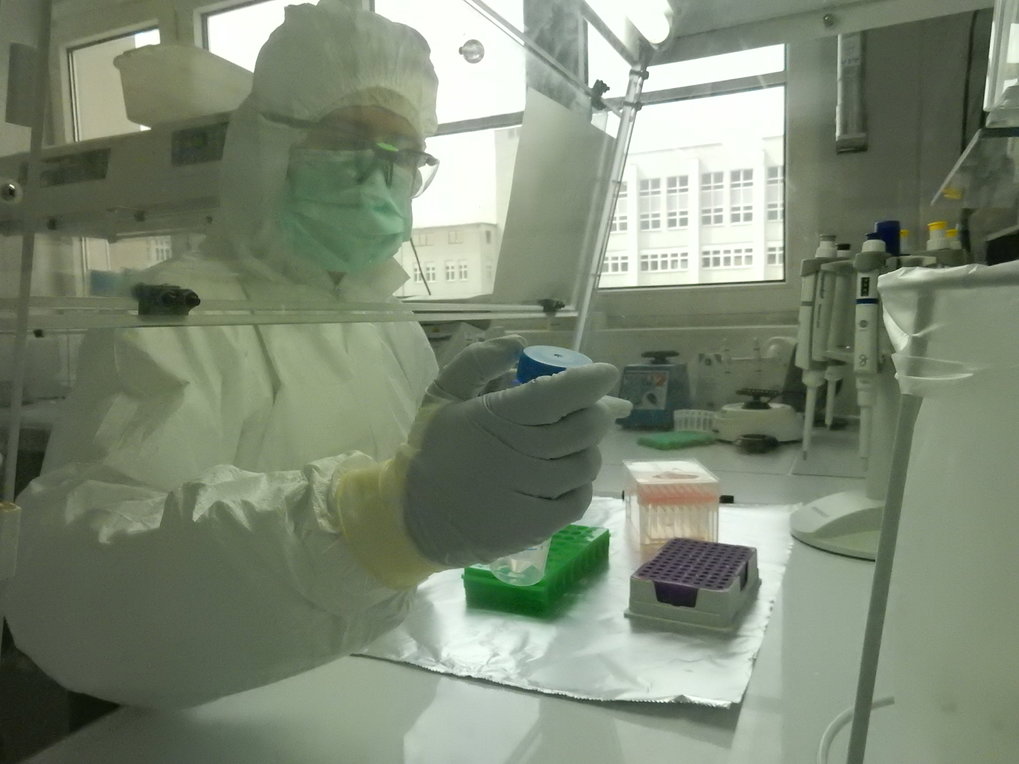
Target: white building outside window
430, 272
463, 270
727, 257
776, 254
741, 196
677, 201
712, 198
650, 202
450, 270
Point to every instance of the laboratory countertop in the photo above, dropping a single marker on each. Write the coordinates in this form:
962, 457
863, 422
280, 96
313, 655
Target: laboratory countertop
364, 710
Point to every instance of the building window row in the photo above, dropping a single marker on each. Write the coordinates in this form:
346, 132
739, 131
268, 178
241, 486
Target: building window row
727, 257
453, 236
160, 248
651, 262
725, 198
678, 260
454, 270
616, 264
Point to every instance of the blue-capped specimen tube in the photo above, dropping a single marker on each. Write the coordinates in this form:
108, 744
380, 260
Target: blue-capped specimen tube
528, 566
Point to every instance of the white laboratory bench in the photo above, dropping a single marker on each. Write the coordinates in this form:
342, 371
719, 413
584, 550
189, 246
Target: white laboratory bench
364, 710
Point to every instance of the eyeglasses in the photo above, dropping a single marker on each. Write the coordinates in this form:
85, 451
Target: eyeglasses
383, 154
420, 164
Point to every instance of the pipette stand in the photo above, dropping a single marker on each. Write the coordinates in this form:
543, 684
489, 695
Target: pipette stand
849, 522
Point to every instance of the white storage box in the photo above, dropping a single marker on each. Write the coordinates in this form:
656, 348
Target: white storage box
169, 83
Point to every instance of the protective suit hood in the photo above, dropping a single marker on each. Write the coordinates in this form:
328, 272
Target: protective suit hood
320, 59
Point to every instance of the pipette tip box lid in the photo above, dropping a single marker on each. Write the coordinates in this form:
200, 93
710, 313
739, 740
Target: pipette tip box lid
575, 552
694, 583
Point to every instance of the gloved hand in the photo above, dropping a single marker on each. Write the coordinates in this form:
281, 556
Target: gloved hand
482, 476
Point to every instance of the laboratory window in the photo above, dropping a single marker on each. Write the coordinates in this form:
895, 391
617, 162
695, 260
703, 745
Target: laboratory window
722, 192
677, 201
776, 254
619, 222
712, 198
727, 257
237, 34
463, 271
97, 103
775, 193
450, 270
616, 264
741, 196
650, 203
493, 86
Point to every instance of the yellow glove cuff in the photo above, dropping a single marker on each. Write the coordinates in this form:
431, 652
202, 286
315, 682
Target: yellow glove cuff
371, 518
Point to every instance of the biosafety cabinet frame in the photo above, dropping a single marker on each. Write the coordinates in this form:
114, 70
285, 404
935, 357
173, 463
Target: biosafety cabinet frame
692, 28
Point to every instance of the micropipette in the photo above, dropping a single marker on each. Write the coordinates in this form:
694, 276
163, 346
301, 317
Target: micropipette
835, 292
868, 265
813, 372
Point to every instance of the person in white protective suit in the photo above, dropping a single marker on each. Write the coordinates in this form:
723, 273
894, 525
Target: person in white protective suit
227, 506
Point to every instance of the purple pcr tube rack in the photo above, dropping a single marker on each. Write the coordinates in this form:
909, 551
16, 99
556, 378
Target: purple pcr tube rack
693, 582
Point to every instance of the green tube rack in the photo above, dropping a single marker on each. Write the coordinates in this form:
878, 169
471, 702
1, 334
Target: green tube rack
575, 552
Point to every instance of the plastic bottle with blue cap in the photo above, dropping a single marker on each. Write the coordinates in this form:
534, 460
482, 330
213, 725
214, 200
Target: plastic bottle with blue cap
527, 567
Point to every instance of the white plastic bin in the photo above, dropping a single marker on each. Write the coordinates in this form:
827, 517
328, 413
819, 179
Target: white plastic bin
169, 83
953, 614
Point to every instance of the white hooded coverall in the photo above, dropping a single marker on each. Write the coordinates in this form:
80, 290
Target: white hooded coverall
179, 545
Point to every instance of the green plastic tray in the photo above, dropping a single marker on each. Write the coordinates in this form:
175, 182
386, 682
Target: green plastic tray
575, 552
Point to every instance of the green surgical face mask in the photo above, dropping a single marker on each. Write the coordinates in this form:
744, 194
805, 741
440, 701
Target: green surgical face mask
345, 210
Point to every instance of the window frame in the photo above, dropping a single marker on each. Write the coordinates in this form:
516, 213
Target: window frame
677, 202
663, 260
649, 204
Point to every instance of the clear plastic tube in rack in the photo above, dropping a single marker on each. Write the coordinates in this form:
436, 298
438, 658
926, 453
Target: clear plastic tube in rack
527, 567
523, 568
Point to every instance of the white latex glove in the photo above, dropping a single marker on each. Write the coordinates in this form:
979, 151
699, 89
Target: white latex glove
483, 476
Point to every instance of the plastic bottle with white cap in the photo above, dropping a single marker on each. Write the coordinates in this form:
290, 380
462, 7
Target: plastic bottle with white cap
527, 567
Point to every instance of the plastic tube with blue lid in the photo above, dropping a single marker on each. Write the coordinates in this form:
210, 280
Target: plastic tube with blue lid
527, 566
